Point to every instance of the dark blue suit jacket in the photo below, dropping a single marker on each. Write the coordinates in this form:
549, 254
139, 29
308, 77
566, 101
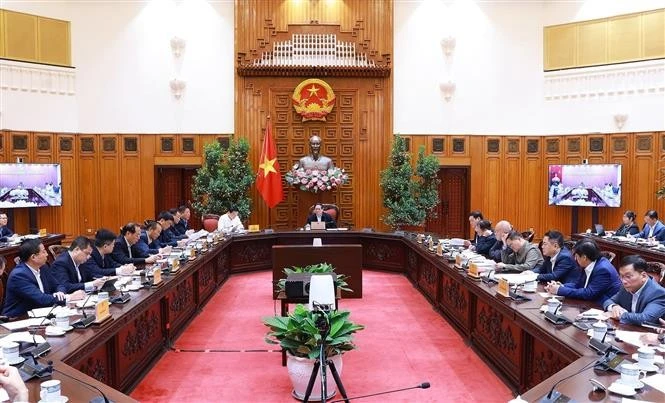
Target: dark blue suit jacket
144, 247
650, 304
182, 226
603, 283
23, 293
64, 272
325, 217
565, 269
484, 244
166, 238
98, 265
658, 232
633, 229
5, 233
120, 254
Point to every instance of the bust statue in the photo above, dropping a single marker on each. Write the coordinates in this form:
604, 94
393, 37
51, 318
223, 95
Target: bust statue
315, 160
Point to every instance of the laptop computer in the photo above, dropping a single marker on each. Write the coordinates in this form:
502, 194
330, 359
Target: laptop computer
600, 230
318, 225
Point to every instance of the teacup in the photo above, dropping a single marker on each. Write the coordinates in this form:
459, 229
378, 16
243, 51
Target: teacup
61, 320
530, 286
599, 330
631, 374
553, 305
10, 351
50, 391
646, 356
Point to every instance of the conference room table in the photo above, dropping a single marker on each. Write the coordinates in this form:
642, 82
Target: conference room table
528, 352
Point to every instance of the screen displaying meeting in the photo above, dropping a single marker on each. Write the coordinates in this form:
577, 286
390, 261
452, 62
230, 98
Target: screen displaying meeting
596, 185
30, 185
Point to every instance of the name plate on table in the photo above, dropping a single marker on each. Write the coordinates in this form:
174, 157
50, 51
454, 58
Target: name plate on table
253, 228
503, 288
458, 260
42, 232
473, 271
156, 277
439, 249
102, 311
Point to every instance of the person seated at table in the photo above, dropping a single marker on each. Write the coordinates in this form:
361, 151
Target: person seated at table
520, 255
183, 224
598, 281
66, 267
629, 227
501, 231
148, 243
640, 299
100, 263
230, 221
474, 217
31, 283
166, 237
653, 228
122, 248
12, 383
559, 264
175, 229
318, 215
651, 339
485, 238
6, 234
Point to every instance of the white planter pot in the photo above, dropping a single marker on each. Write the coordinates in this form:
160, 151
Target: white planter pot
300, 370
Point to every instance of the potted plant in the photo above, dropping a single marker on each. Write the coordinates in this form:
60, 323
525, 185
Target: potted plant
409, 197
300, 335
223, 180
320, 268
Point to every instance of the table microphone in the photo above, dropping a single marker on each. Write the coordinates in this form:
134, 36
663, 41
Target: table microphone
49, 315
424, 385
553, 395
96, 399
86, 320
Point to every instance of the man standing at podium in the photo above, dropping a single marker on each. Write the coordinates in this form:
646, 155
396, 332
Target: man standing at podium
321, 216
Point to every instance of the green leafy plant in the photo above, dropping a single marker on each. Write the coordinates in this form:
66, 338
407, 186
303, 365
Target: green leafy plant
410, 197
320, 268
299, 335
224, 179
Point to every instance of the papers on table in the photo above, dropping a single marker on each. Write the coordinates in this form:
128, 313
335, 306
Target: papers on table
23, 324
517, 278
26, 337
193, 237
89, 302
41, 312
630, 337
656, 381
593, 313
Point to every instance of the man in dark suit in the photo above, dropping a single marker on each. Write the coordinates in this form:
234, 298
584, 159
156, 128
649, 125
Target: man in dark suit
183, 225
67, 271
167, 238
100, 263
559, 264
321, 216
640, 299
5, 232
653, 228
599, 280
474, 218
148, 243
122, 249
31, 285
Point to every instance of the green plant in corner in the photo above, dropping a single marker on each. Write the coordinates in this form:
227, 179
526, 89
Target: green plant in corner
224, 179
299, 335
320, 268
409, 197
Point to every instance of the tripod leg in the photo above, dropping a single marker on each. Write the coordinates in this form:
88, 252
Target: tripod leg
338, 380
312, 378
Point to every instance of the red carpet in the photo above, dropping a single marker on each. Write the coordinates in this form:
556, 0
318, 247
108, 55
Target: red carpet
405, 343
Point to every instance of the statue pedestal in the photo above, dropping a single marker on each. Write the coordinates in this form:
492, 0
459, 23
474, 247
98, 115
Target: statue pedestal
308, 199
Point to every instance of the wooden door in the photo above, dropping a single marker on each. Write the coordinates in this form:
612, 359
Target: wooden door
453, 211
173, 188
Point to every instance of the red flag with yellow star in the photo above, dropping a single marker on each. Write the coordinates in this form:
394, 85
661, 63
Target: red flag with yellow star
268, 179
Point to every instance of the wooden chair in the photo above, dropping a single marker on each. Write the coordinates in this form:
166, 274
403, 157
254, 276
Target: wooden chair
528, 235
56, 250
608, 255
657, 271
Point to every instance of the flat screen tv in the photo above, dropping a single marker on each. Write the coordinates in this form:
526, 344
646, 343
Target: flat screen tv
595, 185
30, 185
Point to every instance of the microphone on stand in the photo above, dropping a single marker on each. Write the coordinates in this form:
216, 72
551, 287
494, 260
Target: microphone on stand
424, 385
86, 320
96, 399
553, 395
49, 315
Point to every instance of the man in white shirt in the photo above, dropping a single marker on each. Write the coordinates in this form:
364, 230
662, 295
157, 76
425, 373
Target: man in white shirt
230, 222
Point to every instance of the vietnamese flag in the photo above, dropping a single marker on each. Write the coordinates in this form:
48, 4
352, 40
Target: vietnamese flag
268, 179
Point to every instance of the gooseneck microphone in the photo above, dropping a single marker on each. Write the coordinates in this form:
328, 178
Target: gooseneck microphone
96, 399
553, 395
49, 315
424, 385
86, 320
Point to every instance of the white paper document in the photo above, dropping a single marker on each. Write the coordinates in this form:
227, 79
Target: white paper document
41, 312
656, 381
23, 336
197, 235
517, 278
23, 324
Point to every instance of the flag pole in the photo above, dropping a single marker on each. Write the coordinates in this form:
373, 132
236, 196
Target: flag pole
269, 209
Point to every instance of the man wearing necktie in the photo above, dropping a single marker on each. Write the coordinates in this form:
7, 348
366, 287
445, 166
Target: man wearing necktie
653, 228
68, 271
640, 299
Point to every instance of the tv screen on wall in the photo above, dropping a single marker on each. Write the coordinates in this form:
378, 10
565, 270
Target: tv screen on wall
595, 185
30, 185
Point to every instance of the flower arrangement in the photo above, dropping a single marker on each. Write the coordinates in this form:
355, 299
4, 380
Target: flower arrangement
314, 180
